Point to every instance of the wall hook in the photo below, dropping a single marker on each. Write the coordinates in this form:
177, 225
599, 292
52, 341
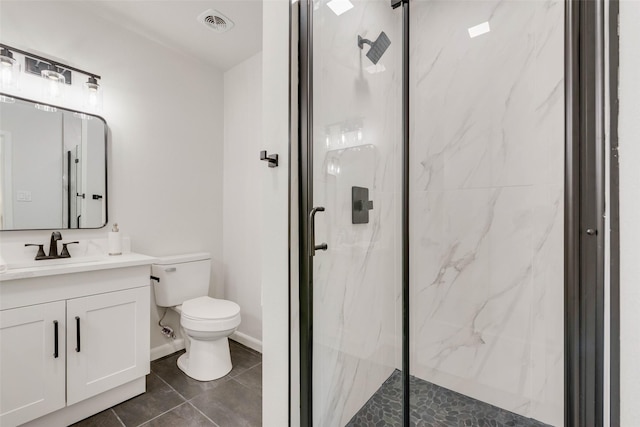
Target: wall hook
272, 158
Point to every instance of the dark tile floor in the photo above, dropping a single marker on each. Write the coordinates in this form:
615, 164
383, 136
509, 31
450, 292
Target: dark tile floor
432, 406
175, 400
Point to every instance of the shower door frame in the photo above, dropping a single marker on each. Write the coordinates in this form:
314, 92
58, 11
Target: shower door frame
584, 231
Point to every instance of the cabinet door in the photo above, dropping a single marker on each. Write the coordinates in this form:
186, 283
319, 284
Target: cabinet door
107, 341
32, 369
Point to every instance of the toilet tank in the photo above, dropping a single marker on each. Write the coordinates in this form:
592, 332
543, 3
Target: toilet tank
182, 277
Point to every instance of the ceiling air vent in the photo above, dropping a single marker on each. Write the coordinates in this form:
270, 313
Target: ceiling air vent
215, 20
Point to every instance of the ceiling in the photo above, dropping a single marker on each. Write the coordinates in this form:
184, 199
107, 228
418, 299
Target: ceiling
173, 23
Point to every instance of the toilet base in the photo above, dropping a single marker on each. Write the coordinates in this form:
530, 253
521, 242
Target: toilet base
206, 360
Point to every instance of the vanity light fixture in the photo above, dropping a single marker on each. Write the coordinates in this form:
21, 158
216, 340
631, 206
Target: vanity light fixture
56, 76
10, 69
53, 84
92, 94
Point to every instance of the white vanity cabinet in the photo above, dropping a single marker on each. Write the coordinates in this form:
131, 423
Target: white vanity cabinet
106, 343
73, 344
32, 372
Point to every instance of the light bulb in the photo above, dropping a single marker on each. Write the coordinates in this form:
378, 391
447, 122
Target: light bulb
92, 94
7, 75
53, 84
10, 69
54, 90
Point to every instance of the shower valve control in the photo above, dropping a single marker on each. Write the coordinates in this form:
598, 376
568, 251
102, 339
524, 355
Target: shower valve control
360, 205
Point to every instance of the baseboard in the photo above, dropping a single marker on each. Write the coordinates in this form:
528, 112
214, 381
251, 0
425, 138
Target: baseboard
178, 344
88, 407
167, 348
245, 339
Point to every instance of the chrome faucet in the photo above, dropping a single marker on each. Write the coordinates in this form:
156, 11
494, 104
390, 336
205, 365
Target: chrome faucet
53, 248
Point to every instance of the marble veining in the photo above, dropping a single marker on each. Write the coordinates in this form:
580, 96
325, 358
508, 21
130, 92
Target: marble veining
486, 204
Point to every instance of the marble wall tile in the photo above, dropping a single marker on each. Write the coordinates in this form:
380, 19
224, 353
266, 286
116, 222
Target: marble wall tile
486, 208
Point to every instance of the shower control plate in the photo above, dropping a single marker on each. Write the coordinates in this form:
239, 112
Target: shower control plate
360, 205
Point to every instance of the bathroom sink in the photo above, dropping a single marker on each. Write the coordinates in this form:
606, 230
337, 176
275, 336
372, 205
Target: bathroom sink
52, 262
49, 267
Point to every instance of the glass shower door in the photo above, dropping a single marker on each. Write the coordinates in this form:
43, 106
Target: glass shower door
484, 296
356, 166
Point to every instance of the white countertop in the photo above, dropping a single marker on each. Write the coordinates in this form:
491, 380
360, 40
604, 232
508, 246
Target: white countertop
76, 265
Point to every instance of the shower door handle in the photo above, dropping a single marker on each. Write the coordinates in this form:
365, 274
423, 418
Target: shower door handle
312, 232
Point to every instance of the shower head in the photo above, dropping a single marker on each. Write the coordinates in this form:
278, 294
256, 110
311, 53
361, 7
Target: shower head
378, 47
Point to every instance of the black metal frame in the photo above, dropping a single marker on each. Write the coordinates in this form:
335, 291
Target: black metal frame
106, 162
584, 213
406, 371
305, 197
584, 210
614, 215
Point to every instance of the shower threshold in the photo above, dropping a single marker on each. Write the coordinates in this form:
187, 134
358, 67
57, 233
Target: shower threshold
432, 405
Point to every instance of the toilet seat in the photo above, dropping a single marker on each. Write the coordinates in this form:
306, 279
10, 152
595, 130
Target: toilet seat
209, 314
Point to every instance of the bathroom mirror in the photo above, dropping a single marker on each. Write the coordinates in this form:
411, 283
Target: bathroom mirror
52, 167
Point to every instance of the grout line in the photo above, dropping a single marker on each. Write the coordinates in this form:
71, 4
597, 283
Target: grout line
117, 417
243, 372
159, 415
252, 389
203, 414
230, 378
169, 410
171, 387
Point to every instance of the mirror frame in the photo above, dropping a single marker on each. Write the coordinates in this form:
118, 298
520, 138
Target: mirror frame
106, 164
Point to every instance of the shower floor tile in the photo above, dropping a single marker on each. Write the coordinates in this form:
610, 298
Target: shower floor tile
432, 406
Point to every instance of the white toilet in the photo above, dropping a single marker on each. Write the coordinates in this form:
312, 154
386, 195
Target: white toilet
206, 322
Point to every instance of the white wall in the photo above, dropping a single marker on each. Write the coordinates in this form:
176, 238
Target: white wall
242, 200
629, 139
165, 115
275, 214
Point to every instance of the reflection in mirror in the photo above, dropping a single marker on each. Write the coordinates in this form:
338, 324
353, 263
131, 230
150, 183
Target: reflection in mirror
52, 167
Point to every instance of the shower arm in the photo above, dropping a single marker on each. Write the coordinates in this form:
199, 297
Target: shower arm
362, 42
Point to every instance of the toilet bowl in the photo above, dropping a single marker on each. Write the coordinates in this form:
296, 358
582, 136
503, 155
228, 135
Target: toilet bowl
207, 323
183, 285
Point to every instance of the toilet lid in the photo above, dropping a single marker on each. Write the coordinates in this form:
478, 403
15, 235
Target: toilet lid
210, 308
